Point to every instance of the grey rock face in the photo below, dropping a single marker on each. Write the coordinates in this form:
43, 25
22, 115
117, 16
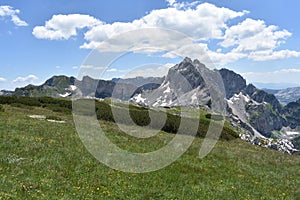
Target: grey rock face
292, 114
60, 86
233, 83
183, 85
139, 81
263, 118
261, 96
188, 83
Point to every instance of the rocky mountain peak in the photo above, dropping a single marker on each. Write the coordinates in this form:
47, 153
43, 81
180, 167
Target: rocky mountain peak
188, 70
61, 81
233, 82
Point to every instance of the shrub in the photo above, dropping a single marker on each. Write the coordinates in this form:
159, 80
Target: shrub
296, 142
51, 117
1, 108
20, 105
140, 116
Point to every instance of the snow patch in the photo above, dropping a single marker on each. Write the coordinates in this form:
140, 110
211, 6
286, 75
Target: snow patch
73, 87
37, 116
168, 90
139, 98
194, 98
292, 133
164, 85
56, 121
65, 95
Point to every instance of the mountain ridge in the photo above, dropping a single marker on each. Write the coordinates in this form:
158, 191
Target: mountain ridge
191, 83
287, 95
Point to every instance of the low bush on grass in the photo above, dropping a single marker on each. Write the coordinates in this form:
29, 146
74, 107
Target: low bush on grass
42, 160
296, 142
56, 105
166, 121
140, 116
52, 117
20, 105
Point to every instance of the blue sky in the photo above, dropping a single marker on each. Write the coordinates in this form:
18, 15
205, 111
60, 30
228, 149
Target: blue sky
259, 39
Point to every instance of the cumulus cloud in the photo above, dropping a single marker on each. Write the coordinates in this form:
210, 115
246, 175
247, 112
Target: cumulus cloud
205, 21
2, 79
64, 26
197, 23
171, 2
30, 78
251, 35
149, 71
290, 75
281, 71
257, 40
8, 11
273, 55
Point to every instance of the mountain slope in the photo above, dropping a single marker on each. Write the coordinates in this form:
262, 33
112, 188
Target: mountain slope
191, 84
286, 96
57, 86
47, 160
260, 113
63, 86
183, 85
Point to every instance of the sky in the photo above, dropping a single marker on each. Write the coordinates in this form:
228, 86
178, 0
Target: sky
41, 38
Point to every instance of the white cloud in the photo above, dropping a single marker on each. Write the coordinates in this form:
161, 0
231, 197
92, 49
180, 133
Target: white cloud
171, 2
205, 21
290, 75
251, 35
257, 41
112, 70
30, 78
289, 70
91, 67
149, 71
64, 26
8, 11
194, 25
273, 55
2, 79
281, 71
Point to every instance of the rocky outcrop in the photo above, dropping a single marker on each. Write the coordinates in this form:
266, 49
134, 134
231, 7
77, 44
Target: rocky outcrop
261, 96
183, 85
292, 114
233, 83
188, 83
264, 118
140, 81
282, 145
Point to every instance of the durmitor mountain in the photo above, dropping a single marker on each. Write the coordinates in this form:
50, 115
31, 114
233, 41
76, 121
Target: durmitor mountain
262, 119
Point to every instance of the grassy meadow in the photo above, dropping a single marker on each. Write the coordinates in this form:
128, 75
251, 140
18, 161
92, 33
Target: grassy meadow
40, 159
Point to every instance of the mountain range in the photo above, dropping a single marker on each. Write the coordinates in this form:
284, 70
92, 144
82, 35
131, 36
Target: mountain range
287, 95
259, 114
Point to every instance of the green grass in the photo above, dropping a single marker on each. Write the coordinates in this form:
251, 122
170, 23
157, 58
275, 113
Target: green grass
139, 115
44, 160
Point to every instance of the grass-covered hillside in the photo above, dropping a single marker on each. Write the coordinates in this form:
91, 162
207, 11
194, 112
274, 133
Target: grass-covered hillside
43, 158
